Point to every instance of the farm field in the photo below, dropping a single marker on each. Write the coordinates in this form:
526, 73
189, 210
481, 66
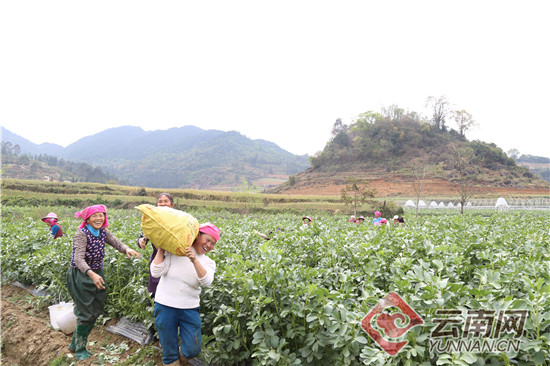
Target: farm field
300, 298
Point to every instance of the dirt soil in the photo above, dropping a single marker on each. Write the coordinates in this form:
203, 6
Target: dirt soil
397, 186
29, 339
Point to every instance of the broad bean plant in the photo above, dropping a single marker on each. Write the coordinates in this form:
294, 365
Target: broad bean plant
299, 298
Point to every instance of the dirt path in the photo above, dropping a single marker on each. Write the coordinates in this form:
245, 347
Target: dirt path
28, 338
396, 187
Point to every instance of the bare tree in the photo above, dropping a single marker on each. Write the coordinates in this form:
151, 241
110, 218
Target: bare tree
419, 176
464, 121
461, 159
513, 153
338, 127
356, 193
440, 108
393, 112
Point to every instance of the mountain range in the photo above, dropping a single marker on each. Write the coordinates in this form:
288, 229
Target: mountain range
182, 157
385, 151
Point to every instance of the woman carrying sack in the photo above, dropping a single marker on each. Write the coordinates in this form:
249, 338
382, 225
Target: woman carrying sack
177, 301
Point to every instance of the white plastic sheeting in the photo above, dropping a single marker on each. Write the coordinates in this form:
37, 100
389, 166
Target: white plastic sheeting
501, 202
410, 204
508, 203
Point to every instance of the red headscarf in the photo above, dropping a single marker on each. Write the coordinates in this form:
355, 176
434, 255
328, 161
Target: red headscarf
89, 211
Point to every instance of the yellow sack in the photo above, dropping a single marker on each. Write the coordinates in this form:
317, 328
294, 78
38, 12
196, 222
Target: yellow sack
168, 228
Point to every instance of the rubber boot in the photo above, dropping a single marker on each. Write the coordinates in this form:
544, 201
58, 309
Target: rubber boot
80, 341
72, 345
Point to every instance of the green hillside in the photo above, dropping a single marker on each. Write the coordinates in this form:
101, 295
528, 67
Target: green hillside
184, 157
48, 168
536, 164
398, 143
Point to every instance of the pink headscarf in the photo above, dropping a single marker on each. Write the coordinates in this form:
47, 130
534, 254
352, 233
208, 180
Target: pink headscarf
210, 229
89, 211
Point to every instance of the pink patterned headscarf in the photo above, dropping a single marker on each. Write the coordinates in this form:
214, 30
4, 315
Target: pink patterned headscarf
210, 229
89, 211
50, 219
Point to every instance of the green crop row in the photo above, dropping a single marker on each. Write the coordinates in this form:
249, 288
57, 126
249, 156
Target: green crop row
299, 298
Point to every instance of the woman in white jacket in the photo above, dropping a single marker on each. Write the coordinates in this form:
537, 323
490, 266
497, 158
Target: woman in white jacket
177, 299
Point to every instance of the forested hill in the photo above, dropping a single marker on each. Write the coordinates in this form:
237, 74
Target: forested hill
379, 146
536, 164
48, 167
184, 157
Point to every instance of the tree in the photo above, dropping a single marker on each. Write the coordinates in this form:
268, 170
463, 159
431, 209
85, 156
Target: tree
141, 192
419, 176
292, 180
24, 159
513, 153
461, 158
393, 112
340, 135
464, 121
368, 117
7, 148
440, 109
356, 193
246, 195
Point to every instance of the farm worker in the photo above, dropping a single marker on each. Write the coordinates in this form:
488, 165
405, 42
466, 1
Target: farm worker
352, 219
377, 218
177, 298
55, 228
306, 220
166, 200
396, 220
360, 220
85, 278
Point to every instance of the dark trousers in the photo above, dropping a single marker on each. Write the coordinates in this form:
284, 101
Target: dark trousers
88, 300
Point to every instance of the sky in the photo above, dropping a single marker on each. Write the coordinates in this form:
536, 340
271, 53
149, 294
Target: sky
281, 71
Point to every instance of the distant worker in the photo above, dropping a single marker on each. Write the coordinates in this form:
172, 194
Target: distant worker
55, 229
360, 220
377, 218
396, 220
306, 220
352, 219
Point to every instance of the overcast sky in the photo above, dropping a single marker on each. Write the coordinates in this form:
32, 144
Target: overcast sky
282, 71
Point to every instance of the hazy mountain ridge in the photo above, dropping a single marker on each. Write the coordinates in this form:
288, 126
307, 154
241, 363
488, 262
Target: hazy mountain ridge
181, 157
